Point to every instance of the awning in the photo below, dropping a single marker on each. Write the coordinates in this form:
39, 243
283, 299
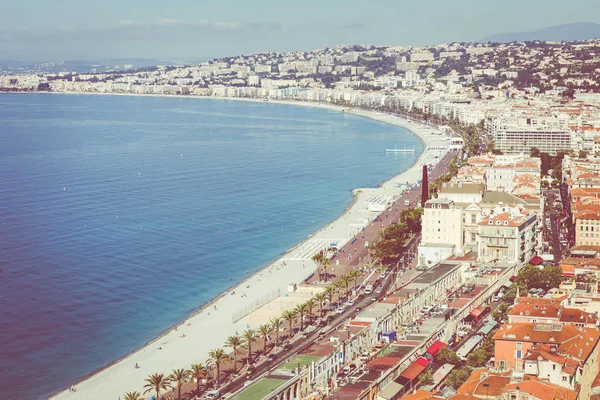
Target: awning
436, 347
415, 369
536, 260
476, 312
333, 245
513, 278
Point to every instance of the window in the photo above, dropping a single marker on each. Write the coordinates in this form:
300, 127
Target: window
519, 345
519, 354
473, 237
502, 364
473, 219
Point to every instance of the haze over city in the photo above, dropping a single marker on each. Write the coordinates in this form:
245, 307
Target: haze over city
34, 30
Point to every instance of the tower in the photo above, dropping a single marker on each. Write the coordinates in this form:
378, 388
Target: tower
424, 187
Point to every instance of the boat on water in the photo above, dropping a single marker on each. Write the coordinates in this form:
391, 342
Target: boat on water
402, 150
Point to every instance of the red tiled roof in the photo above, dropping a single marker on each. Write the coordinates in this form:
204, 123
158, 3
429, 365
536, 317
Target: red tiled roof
415, 369
543, 390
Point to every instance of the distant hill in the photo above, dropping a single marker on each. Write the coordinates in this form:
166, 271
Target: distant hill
566, 32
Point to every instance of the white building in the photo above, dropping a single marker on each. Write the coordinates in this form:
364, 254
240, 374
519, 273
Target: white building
442, 231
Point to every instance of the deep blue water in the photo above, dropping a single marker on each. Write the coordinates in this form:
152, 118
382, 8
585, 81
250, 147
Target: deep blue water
119, 216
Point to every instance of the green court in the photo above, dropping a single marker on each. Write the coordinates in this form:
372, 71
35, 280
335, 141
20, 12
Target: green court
303, 360
260, 389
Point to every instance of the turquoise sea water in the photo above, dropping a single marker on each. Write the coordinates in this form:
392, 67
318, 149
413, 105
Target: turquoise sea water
119, 216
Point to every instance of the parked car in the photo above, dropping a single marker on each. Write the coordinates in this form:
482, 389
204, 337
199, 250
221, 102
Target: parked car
271, 357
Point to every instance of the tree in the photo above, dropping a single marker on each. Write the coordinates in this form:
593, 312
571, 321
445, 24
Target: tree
198, 372
501, 313
346, 281
289, 316
458, 376
277, 324
310, 305
322, 261
133, 396
447, 356
156, 383
534, 152
264, 331
330, 291
553, 276
301, 310
179, 376
355, 274
582, 154
320, 299
235, 342
249, 336
217, 356
426, 378
478, 358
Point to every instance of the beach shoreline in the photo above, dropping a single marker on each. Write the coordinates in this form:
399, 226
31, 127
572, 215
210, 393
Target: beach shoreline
116, 374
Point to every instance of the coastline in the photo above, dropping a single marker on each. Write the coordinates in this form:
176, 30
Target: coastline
119, 377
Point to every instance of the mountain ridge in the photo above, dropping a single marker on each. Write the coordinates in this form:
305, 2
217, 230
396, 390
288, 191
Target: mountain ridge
565, 32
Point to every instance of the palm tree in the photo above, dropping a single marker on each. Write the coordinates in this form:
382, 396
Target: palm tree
156, 382
345, 279
324, 264
320, 298
198, 372
289, 316
276, 323
234, 342
355, 274
338, 285
301, 310
249, 336
179, 376
318, 258
264, 331
310, 305
330, 291
133, 396
217, 356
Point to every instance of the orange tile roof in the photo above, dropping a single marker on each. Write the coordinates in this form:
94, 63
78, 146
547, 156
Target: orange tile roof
542, 390
544, 302
420, 395
535, 310
587, 214
576, 316
474, 384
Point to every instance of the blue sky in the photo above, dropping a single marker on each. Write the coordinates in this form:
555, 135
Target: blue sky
202, 29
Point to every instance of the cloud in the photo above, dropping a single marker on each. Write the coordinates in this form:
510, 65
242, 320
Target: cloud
129, 23
168, 22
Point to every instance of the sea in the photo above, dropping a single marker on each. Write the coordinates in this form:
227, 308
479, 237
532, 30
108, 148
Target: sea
120, 216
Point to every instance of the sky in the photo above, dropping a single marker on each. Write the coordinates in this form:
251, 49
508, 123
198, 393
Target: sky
43, 30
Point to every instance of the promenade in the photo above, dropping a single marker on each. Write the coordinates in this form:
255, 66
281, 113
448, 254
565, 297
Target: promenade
191, 340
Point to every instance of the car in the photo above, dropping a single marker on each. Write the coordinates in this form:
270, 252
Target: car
350, 302
213, 394
341, 310
357, 309
249, 371
271, 357
287, 347
373, 298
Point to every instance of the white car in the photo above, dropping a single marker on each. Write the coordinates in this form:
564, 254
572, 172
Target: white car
341, 310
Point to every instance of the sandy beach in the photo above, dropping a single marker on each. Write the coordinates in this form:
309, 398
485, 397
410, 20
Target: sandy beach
190, 341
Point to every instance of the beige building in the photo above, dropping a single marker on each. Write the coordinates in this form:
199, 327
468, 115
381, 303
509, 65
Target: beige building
442, 231
508, 234
587, 228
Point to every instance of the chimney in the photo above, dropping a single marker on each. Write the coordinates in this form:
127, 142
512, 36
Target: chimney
424, 187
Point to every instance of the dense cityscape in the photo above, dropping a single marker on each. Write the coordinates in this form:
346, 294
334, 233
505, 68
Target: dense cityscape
483, 283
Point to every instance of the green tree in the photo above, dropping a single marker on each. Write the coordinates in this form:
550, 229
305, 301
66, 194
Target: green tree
534, 152
458, 376
320, 299
426, 378
290, 316
355, 274
179, 377
447, 356
277, 324
501, 313
553, 276
133, 396
582, 154
301, 310
156, 383
346, 278
264, 331
198, 372
249, 336
477, 358
217, 356
235, 342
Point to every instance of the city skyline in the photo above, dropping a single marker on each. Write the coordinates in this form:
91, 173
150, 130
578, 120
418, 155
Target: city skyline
35, 30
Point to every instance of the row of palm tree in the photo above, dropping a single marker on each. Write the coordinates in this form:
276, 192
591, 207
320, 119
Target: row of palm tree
158, 383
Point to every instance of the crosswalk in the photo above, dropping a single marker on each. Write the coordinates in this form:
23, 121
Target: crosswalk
312, 247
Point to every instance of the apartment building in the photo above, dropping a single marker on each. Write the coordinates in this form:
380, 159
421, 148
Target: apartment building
441, 232
508, 234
